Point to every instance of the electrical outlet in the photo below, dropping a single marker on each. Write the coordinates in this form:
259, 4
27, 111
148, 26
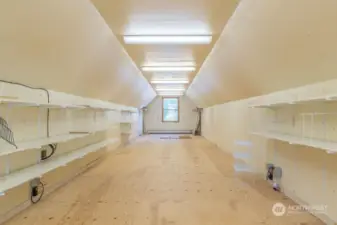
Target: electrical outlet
35, 191
34, 184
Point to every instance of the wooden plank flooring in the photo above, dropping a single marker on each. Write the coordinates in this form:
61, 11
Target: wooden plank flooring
162, 182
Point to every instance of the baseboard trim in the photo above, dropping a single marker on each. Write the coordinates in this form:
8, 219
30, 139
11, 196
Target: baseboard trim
169, 132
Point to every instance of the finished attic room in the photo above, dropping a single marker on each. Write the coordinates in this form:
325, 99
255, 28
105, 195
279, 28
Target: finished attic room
181, 112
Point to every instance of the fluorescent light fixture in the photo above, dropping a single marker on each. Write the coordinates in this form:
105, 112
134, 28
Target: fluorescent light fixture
170, 89
171, 86
169, 81
170, 64
169, 39
167, 68
171, 94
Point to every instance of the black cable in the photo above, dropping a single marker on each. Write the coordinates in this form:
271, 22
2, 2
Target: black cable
34, 201
197, 130
53, 147
34, 88
199, 127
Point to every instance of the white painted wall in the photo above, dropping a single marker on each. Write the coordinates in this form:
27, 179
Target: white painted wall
187, 118
309, 174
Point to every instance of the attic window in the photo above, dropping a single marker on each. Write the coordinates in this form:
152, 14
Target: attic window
170, 109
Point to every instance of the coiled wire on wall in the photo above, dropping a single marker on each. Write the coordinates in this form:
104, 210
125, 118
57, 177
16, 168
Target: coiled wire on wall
34, 88
37, 193
53, 149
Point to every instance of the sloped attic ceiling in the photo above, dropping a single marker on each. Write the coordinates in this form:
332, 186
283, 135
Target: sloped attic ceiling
167, 17
269, 46
67, 46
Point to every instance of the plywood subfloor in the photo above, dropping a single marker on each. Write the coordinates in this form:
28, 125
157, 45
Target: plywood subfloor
162, 182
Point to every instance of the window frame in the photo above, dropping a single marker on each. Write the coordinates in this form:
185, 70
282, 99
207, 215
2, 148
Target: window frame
162, 110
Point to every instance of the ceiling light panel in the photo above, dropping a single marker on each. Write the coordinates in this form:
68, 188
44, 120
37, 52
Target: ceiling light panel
170, 86
170, 94
167, 23
169, 75
168, 68
135, 39
170, 89
169, 81
169, 64
169, 54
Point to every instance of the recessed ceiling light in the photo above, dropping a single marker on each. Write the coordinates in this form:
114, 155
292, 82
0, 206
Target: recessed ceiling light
170, 39
169, 81
173, 68
169, 64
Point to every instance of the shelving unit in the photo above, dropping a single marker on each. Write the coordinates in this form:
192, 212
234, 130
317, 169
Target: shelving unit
331, 147
128, 125
95, 105
270, 102
127, 116
126, 128
38, 143
307, 125
20, 103
17, 178
76, 117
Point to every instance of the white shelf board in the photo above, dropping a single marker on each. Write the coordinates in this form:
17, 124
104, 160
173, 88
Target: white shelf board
60, 106
98, 129
315, 143
14, 102
38, 143
128, 110
328, 98
270, 105
99, 107
24, 175
127, 121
